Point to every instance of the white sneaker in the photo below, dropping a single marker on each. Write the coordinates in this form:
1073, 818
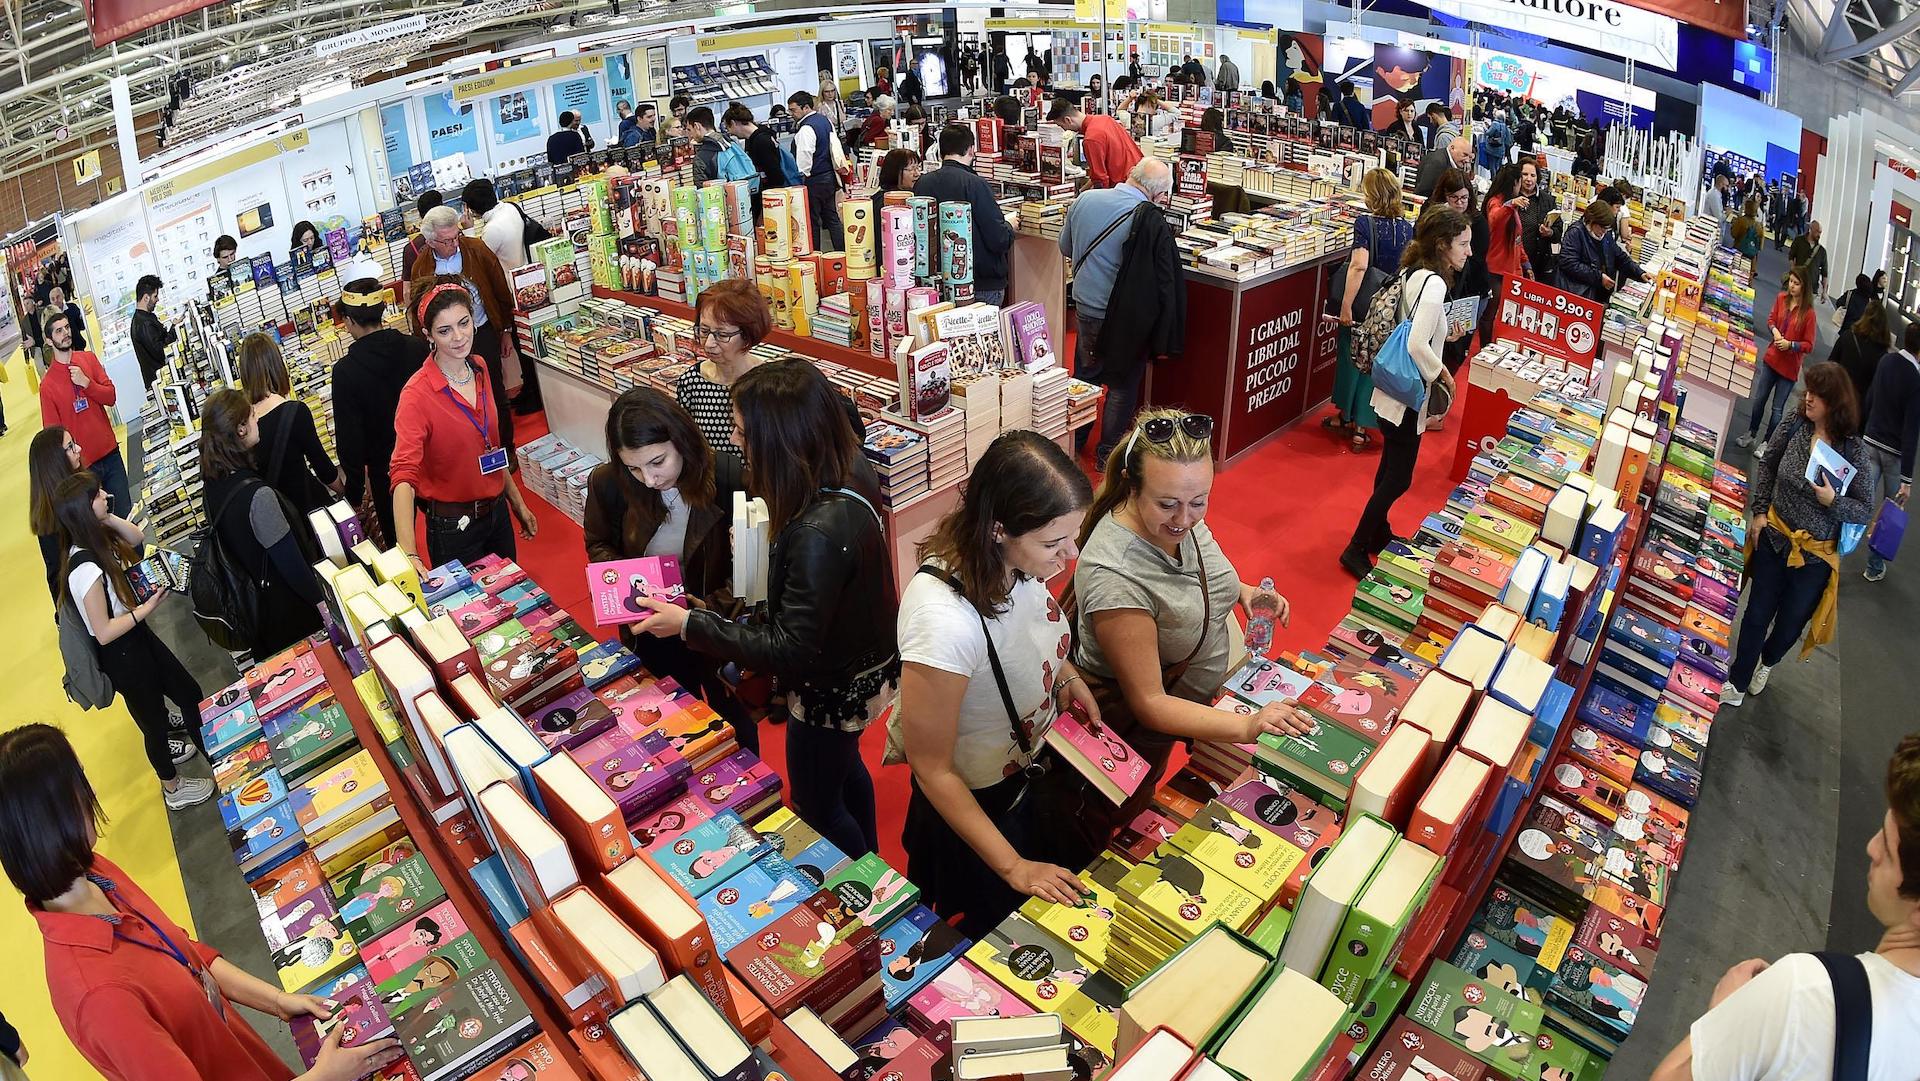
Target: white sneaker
181, 750
189, 792
1745, 440
1872, 575
1759, 683
1731, 695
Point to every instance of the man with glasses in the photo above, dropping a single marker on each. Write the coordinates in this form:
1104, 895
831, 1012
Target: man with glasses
76, 395
1131, 299
447, 251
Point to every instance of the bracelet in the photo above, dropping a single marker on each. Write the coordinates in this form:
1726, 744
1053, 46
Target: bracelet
1057, 687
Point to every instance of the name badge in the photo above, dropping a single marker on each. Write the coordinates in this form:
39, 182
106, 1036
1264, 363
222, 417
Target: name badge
493, 461
80, 403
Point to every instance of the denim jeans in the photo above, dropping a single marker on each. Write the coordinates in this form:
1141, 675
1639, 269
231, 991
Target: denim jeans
111, 471
1769, 385
1882, 485
1780, 601
992, 297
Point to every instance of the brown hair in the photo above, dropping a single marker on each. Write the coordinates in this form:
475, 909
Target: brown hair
1428, 249
1835, 388
222, 449
1022, 482
1601, 213
1806, 289
643, 416
1128, 458
795, 433
740, 303
46, 805
431, 296
1450, 181
1872, 326
1903, 798
47, 466
73, 510
263, 370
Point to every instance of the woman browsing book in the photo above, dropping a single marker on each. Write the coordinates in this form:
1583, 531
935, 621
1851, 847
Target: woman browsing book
1793, 560
102, 547
1154, 623
828, 634
257, 527
53, 456
664, 492
983, 674
450, 458
139, 997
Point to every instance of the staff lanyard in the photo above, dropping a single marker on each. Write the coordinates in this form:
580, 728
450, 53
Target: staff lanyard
481, 423
202, 976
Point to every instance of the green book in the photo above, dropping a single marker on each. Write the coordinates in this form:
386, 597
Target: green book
418, 981
1376, 925
1478, 1017
498, 642
306, 742
1688, 460
1397, 603
1558, 1055
1501, 530
1271, 931
1375, 1012
375, 895
1409, 571
1323, 762
873, 892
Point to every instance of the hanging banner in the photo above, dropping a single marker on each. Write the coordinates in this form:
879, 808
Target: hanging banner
395, 139
1606, 26
1552, 321
516, 116
111, 20
580, 96
450, 126
619, 69
1728, 18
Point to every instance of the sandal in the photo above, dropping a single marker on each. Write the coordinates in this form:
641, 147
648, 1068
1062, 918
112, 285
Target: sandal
1336, 421
1361, 440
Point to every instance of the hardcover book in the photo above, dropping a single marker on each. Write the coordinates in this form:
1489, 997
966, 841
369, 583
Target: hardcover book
1409, 1051
1322, 761
740, 783
1047, 974
913, 950
241, 765
284, 680
812, 955
1100, 756
1488, 959
1617, 940
1086, 924
241, 806
1495, 1027
1183, 895
1597, 992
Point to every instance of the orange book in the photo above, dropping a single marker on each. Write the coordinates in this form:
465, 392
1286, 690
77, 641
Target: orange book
602, 1054
1423, 934
1633, 467
756, 1021
584, 814
542, 1057
577, 998
669, 920
592, 943
1450, 804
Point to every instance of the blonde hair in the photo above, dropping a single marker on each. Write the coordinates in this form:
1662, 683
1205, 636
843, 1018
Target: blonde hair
1382, 190
1124, 464
262, 370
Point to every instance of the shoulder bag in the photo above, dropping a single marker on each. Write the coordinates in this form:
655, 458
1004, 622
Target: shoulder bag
896, 752
1852, 1015
1395, 372
1370, 283
85, 682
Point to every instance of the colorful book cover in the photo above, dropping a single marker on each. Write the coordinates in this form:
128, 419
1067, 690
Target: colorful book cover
412, 939
326, 794
1247, 855
239, 807
1618, 941
1183, 895
236, 723
812, 954
241, 765
707, 854
1323, 761
1408, 1051
962, 990
1366, 701
913, 950
1671, 775
1595, 990
1564, 823
1524, 924
1104, 751
1500, 965
751, 898
570, 720
604, 662
284, 680
1493, 1026
628, 775
442, 965
871, 891
1605, 752
379, 895
616, 587
1584, 786
321, 952
357, 1013
1086, 924
296, 918
1635, 867
737, 783
1264, 682
660, 828
311, 738
477, 1016
345, 884
1047, 974
1551, 868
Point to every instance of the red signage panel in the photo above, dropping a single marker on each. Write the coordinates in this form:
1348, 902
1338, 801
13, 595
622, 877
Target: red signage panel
111, 20
1551, 321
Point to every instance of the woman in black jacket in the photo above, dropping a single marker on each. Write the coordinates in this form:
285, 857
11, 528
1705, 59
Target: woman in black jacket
254, 527
1864, 292
290, 456
1591, 262
664, 492
1859, 348
52, 457
828, 633
366, 393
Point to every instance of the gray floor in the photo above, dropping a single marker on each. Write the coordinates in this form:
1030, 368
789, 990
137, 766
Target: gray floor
1792, 793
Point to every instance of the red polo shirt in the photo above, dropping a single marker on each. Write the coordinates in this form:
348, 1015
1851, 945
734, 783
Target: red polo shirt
437, 437
82, 412
1111, 152
134, 1012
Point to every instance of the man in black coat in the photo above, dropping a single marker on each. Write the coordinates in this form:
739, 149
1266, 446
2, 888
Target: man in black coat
1456, 154
956, 182
150, 337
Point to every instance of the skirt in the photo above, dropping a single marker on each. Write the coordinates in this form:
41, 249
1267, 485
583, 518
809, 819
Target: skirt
953, 880
1352, 388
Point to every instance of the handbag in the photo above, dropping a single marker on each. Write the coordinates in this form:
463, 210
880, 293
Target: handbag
1888, 529
1370, 283
1395, 372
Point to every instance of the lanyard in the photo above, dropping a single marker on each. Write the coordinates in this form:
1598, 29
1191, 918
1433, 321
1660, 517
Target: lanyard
481, 423
202, 976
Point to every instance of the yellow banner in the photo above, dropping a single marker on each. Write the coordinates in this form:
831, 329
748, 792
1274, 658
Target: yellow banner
86, 167
1036, 24
1271, 37
284, 143
493, 82
1089, 9
755, 39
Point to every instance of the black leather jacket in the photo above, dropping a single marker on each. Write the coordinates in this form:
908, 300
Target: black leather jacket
828, 634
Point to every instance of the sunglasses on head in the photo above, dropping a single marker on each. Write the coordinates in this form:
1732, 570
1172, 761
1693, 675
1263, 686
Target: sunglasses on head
1160, 429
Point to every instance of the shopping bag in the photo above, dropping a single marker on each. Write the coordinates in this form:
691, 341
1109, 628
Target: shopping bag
1887, 532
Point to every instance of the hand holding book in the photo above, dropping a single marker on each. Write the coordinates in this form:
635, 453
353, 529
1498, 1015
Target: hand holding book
1280, 718
1047, 881
337, 1063
668, 620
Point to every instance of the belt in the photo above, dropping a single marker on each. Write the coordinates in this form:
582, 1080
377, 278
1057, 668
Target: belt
475, 508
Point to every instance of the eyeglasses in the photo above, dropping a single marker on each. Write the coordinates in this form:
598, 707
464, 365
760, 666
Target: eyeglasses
1160, 430
701, 332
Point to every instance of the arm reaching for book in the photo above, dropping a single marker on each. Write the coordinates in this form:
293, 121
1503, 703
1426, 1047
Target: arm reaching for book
1131, 643
929, 724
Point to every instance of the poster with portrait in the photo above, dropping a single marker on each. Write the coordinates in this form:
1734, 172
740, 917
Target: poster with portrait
1403, 76
1301, 57
619, 70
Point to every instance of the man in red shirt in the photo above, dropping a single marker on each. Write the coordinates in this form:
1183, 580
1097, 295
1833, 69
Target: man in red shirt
75, 394
1111, 152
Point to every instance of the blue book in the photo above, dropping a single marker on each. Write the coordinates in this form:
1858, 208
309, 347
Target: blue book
754, 897
1507, 805
1600, 536
1552, 713
230, 730
711, 852
240, 807
819, 861
604, 662
497, 889
1645, 636
1616, 714
1640, 667
913, 950
445, 580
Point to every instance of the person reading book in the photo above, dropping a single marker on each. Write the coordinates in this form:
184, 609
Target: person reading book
139, 997
450, 456
101, 547
1805, 1016
257, 527
828, 633
983, 672
1153, 598
1793, 573
664, 492
290, 456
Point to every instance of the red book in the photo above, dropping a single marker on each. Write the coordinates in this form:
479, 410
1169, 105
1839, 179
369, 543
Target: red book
1409, 1052
811, 955
602, 1054
576, 998
1423, 934
669, 920
1451, 805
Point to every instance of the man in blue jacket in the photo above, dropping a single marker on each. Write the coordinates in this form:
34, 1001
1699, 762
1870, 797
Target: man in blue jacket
1892, 412
956, 182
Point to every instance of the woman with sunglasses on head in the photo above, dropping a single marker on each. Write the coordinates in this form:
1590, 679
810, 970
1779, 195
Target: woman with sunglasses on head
449, 455
828, 633
138, 996
664, 492
101, 546
1154, 617
983, 674
52, 457
1440, 248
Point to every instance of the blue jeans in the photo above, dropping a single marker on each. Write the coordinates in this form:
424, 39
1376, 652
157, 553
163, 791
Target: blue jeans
1882, 485
111, 470
1780, 601
1769, 385
992, 297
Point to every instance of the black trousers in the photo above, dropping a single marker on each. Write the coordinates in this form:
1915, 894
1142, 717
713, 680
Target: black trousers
486, 342
1399, 451
831, 787
489, 534
147, 675
953, 879
698, 674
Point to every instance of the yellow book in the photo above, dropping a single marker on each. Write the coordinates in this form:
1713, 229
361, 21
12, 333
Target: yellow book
1230, 843
337, 796
305, 961
1184, 895
1087, 925
393, 566
1049, 976
365, 553
379, 706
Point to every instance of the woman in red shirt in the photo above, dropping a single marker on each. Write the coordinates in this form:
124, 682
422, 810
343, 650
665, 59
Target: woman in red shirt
141, 1000
1790, 337
1506, 256
449, 456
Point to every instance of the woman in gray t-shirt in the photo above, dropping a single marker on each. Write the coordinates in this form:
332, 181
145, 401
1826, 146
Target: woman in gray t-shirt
1154, 600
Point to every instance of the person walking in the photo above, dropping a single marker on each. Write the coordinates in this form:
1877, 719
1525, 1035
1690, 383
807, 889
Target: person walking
1129, 292
1227, 77
817, 152
1380, 238
1808, 252
1892, 431
1859, 347
75, 395
367, 382
1791, 324
1441, 243
57, 301
1793, 565
956, 182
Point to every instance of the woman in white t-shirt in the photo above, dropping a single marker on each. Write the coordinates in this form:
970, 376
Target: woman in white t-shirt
972, 727
101, 547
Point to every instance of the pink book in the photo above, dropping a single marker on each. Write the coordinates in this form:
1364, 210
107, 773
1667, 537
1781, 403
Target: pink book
616, 586
492, 573
629, 776
736, 783
658, 829
411, 940
639, 705
962, 990
284, 680
571, 719
478, 617
1101, 756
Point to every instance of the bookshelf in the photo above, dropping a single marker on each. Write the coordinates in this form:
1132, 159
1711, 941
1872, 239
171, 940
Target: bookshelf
406, 791
858, 360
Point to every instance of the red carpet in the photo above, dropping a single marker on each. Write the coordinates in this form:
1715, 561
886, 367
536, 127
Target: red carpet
1285, 511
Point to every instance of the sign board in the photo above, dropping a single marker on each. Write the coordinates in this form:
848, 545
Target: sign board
493, 82
1550, 321
86, 167
756, 39
1272, 359
1607, 26
393, 30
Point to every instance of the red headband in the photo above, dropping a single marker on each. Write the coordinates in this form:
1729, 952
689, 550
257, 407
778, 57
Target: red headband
426, 298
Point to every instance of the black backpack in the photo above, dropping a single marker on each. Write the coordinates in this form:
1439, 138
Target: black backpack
531, 231
226, 598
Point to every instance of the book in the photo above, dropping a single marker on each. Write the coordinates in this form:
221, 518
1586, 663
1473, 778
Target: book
1228, 842
412, 939
321, 951
242, 805
1099, 755
591, 822
873, 892
615, 586
1047, 974
1331, 890
962, 990
1497, 1028
338, 795
1086, 924
1409, 1051
1524, 924
1448, 806
439, 967
1323, 760
534, 852
812, 955
707, 854
1500, 965
926, 381
1289, 1001
479, 1016
1370, 938
1394, 777
1182, 894
377, 893
357, 1013
751, 898
913, 950
671, 923
1827, 466
284, 680
593, 943
303, 741
702, 1031
1193, 993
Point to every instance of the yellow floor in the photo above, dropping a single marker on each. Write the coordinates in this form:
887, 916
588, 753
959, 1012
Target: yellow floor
137, 837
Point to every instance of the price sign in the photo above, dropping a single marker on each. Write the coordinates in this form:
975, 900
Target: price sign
1551, 321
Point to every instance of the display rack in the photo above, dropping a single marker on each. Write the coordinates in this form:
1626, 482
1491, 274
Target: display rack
1903, 269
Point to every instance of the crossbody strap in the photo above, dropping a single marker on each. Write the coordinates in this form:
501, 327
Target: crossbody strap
1102, 238
993, 658
1852, 1015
